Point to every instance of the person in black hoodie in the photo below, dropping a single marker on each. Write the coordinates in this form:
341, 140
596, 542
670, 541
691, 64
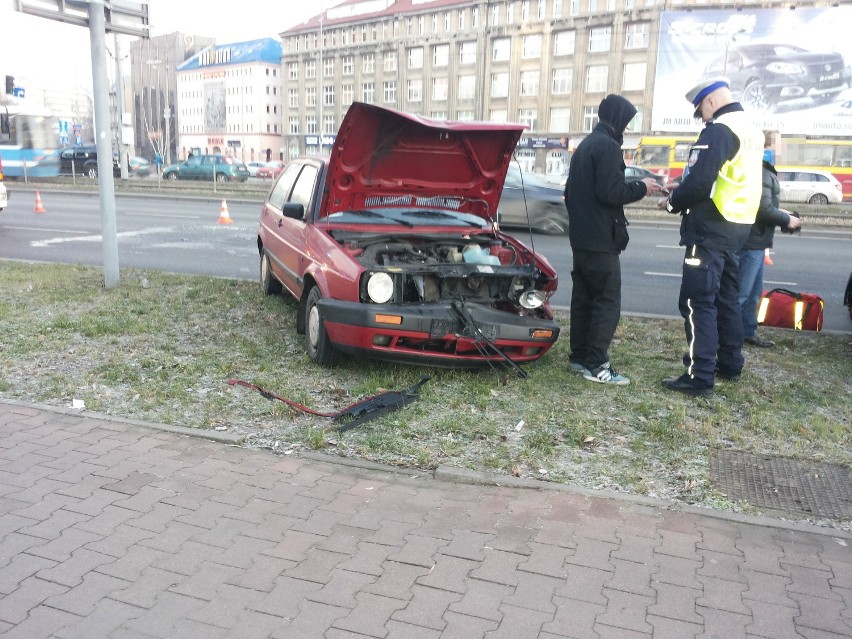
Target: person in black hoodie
595, 195
769, 215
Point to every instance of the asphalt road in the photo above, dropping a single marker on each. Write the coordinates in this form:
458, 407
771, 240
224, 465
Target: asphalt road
183, 235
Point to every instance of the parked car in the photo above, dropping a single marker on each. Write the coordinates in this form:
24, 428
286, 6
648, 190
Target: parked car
812, 186
208, 167
253, 167
529, 200
764, 75
390, 246
634, 173
271, 169
83, 160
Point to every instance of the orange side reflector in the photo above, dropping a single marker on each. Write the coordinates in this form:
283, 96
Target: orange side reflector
388, 319
541, 333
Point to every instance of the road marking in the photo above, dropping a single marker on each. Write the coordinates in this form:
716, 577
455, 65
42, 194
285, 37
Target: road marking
653, 273
669, 246
167, 215
662, 274
781, 283
97, 238
40, 229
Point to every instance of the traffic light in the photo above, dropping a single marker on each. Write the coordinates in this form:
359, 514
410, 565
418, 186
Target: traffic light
10, 84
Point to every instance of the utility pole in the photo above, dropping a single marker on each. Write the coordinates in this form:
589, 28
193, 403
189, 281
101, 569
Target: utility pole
119, 112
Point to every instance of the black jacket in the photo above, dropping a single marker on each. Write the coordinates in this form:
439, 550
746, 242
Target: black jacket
702, 224
596, 192
768, 215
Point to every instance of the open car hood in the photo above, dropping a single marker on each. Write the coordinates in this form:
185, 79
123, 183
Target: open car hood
383, 157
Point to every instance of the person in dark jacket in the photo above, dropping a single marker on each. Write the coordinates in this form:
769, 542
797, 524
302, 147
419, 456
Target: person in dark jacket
717, 201
595, 195
751, 254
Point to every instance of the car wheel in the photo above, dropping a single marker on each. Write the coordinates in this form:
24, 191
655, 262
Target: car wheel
552, 223
172, 176
221, 177
818, 198
92, 172
319, 346
268, 284
756, 97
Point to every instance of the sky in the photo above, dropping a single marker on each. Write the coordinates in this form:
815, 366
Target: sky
46, 53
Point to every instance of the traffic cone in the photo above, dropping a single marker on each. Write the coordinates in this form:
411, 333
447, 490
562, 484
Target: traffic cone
224, 216
767, 258
39, 207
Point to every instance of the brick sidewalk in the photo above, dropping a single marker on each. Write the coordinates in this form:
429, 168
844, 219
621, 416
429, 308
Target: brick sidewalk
111, 529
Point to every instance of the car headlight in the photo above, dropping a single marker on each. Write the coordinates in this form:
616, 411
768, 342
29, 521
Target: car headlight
531, 299
785, 68
380, 287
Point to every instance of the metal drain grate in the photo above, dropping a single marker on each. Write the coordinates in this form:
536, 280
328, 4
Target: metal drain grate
816, 489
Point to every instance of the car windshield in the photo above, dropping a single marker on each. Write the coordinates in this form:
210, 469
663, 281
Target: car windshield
407, 217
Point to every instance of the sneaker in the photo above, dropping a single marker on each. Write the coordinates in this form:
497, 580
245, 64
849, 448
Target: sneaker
684, 384
577, 367
606, 374
754, 340
727, 376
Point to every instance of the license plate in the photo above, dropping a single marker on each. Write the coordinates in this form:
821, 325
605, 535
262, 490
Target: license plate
833, 76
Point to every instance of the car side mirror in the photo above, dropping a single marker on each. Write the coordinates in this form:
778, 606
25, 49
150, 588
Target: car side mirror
295, 210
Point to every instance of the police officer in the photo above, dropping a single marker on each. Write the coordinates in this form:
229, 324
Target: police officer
717, 201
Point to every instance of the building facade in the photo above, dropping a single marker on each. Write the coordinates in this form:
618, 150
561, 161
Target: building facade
229, 101
544, 63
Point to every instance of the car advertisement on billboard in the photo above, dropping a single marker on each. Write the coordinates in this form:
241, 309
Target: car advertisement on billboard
790, 67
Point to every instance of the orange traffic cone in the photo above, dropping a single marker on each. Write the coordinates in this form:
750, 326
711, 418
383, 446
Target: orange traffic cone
39, 207
767, 258
224, 216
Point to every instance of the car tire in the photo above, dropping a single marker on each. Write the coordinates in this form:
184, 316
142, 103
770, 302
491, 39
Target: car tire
551, 223
221, 178
755, 96
92, 172
172, 176
318, 344
268, 284
818, 198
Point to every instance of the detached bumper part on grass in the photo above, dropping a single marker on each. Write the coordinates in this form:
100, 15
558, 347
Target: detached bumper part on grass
357, 413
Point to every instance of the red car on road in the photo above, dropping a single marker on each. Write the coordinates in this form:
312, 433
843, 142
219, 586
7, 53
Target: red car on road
392, 249
270, 169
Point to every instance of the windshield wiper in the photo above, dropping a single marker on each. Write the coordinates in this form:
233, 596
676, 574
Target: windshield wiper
369, 213
444, 215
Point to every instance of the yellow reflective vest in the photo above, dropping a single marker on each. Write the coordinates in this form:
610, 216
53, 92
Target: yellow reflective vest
736, 192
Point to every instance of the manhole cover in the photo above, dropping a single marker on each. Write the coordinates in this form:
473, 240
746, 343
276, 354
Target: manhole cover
816, 489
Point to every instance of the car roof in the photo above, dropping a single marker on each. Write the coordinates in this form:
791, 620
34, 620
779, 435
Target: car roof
385, 157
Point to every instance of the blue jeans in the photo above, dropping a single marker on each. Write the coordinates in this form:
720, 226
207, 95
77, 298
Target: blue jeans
751, 288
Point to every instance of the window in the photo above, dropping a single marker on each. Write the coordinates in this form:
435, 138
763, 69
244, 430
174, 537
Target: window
599, 39
311, 124
439, 88
328, 96
415, 90
438, 115
347, 91
328, 67
495, 15
293, 95
467, 53
525, 10
557, 8
560, 119
293, 70
590, 118
294, 124
634, 76
368, 92
635, 125
389, 92
500, 52
368, 63
467, 87
562, 81
529, 83
499, 85
596, 78
499, 115
532, 46
348, 65
310, 96
415, 58
636, 35
441, 55
389, 61
462, 17
328, 124
465, 116
529, 117
563, 42
310, 68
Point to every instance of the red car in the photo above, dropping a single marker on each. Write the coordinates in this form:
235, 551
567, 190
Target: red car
392, 249
270, 169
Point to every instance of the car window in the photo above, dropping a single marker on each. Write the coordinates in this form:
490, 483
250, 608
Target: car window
281, 190
67, 154
194, 161
303, 190
819, 177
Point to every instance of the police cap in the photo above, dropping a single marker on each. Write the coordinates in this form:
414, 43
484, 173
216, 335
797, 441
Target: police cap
704, 88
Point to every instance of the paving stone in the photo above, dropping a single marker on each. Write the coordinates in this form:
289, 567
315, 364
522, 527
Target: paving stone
461, 626
340, 589
584, 584
449, 573
768, 588
573, 618
771, 620
519, 622
499, 567
721, 565
482, 600
368, 558
426, 607
554, 533
43, 622
723, 595
87, 596
396, 580
314, 620
418, 551
16, 606
466, 544
206, 582
592, 553
294, 546
719, 536
821, 614
22, 567
370, 615
546, 560
63, 545
801, 552
722, 624
13, 544
626, 610
811, 582
534, 592
119, 539
49, 528
71, 571
144, 590
169, 610
103, 621
631, 576
678, 571
286, 597
675, 602
230, 607
667, 628
635, 548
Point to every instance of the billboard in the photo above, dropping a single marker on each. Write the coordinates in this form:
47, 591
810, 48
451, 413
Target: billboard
789, 67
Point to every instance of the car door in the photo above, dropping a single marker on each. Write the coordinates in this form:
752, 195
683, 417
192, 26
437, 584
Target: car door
191, 169
282, 237
793, 188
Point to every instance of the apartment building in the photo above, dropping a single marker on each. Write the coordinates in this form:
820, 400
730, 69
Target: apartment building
544, 63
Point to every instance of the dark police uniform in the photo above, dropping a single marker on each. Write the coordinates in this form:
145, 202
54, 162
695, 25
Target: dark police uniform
709, 291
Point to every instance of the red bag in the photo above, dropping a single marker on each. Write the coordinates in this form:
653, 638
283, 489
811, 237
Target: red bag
785, 309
